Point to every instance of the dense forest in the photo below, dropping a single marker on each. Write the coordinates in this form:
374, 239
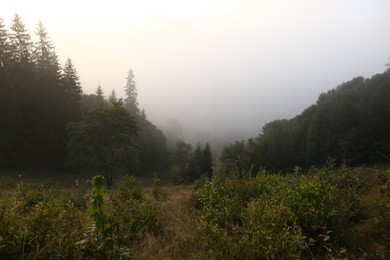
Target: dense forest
48, 123
45, 114
349, 124
60, 149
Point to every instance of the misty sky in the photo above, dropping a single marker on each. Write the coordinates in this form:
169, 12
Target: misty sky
219, 67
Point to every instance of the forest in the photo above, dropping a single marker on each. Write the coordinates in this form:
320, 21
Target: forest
89, 176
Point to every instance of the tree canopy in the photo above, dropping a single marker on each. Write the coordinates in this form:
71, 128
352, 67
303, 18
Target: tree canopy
104, 141
349, 124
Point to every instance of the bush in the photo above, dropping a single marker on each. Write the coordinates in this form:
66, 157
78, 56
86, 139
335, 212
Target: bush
244, 217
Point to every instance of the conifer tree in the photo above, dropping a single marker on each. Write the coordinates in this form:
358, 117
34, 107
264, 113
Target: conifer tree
99, 92
20, 40
71, 80
44, 54
112, 97
131, 103
71, 86
4, 46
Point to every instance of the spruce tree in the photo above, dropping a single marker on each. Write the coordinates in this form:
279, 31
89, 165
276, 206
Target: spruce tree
71, 80
4, 46
45, 56
20, 40
112, 97
71, 86
99, 92
131, 103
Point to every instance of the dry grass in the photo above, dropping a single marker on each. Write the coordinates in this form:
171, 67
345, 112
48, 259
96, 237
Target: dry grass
178, 238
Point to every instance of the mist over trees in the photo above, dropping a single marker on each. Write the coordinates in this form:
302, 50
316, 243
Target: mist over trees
190, 164
47, 123
349, 124
38, 99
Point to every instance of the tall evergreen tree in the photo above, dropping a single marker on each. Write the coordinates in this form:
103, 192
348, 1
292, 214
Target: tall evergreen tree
8, 103
99, 92
151, 141
131, 103
112, 97
45, 56
20, 41
71, 81
4, 46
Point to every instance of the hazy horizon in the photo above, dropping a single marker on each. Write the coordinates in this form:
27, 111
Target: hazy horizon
220, 68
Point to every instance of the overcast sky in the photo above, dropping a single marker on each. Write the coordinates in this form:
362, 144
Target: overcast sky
218, 67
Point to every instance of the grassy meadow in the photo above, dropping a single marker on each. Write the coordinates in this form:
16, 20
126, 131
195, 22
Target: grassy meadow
321, 214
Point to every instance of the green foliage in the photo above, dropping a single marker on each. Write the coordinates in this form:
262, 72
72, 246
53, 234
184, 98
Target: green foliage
245, 217
270, 231
295, 216
129, 189
37, 223
347, 123
235, 157
45, 221
153, 151
103, 141
329, 213
40, 98
103, 238
95, 208
130, 208
311, 201
180, 159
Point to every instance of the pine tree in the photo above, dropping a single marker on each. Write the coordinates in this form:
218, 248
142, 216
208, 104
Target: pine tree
21, 44
131, 103
71, 80
99, 92
71, 86
112, 97
4, 46
44, 54
8, 104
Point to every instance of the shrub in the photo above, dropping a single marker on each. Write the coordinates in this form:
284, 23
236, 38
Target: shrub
244, 217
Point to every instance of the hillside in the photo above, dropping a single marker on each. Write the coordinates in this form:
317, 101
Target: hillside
349, 123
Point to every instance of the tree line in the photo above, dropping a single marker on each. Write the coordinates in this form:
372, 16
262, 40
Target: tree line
349, 124
47, 123
38, 98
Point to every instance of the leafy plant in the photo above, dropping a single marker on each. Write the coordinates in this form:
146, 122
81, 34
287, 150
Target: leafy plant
158, 193
107, 240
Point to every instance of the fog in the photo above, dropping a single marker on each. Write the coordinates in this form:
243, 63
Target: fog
216, 69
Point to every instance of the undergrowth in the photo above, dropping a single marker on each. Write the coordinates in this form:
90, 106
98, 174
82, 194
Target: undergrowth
326, 213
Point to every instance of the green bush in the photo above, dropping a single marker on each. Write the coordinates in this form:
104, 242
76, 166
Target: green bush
270, 232
244, 217
38, 224
130, 208
311, 202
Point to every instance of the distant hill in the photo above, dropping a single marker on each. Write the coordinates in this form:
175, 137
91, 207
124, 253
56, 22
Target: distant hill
350, 123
